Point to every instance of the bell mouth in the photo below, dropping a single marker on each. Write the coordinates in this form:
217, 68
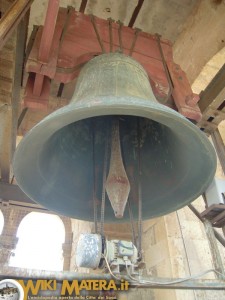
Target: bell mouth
53, 164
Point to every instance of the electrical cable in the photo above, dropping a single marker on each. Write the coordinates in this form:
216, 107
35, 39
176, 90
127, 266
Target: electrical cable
139, 282
147, 282
108, 266
128, 273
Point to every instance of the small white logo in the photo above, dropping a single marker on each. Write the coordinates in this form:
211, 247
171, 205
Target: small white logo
11, 290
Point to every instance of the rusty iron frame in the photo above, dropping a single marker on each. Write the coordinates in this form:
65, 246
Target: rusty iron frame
64, 66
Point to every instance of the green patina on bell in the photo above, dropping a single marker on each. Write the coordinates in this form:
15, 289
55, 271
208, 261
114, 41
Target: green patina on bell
60, 162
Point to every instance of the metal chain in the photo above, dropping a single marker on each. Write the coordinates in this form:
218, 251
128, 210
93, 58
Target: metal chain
94, 180
131, 222
103, 186
139, 194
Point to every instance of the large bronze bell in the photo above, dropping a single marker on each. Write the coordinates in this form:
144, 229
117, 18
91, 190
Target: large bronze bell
60, 162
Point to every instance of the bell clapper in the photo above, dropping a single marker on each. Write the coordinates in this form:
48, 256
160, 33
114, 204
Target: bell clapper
117, 183
117, 187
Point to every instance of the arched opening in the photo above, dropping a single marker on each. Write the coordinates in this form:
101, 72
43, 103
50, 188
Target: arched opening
1, 222
40, 243
209, 71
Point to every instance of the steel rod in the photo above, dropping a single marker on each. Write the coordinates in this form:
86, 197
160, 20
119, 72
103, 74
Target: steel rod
26, 274
120, 25
97, 33
165, 67
137, 31
110, 34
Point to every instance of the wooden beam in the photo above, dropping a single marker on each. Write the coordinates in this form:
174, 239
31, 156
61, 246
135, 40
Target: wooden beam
214, 88
13, 192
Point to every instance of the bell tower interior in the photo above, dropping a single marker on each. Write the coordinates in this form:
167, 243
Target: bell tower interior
112, 124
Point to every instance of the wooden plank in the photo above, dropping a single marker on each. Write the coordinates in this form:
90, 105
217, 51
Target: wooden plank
215, 87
